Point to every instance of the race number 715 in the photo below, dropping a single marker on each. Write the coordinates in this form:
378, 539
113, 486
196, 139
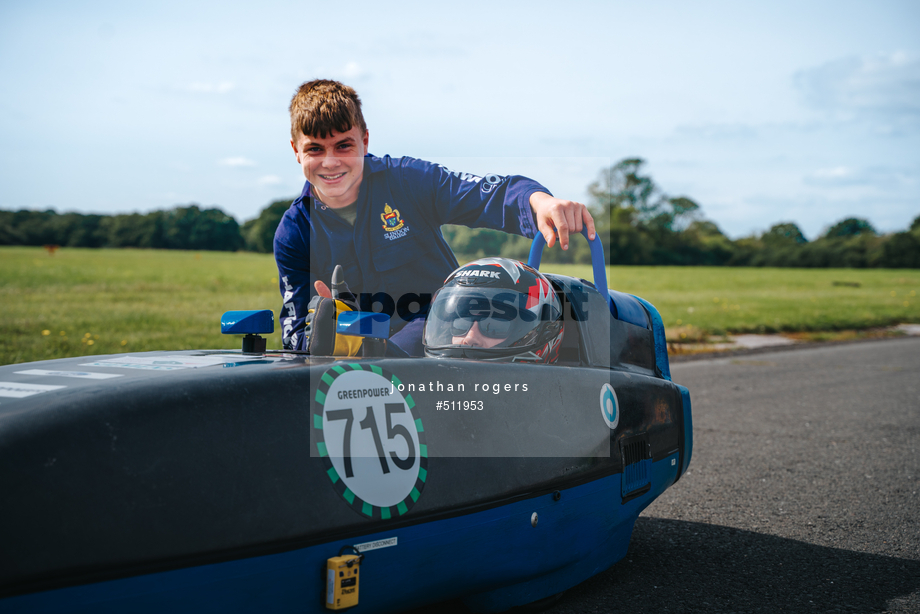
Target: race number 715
370, 423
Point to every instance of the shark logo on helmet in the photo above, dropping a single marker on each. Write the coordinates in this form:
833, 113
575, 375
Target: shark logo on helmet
511, 267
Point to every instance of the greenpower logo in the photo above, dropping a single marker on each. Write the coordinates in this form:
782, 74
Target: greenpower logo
372, 445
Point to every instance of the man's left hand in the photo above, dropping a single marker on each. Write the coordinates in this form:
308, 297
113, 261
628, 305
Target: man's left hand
554, 215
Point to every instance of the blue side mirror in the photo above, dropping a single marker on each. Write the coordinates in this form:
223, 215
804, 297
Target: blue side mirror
250, 323
364, 324
255, 322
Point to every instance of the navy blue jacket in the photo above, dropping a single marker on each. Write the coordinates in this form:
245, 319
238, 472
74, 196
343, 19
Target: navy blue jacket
395, 256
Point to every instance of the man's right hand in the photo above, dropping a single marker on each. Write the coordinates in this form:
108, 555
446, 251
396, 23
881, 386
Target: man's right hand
322, 289
322, 292
322, 315
319, 329
557, 216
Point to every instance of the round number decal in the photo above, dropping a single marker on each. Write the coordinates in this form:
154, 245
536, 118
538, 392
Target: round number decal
372, 444
610, 406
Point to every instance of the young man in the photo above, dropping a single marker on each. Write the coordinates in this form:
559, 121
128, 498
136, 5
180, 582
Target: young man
380, 218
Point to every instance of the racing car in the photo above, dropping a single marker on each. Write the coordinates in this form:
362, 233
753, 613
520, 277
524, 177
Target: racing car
269, 480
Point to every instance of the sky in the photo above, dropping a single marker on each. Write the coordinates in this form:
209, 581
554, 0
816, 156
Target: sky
761, 112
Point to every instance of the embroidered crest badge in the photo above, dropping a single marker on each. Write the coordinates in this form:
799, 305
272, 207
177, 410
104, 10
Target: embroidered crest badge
390, 218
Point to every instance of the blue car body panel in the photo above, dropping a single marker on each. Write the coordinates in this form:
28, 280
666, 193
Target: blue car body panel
540, 560
184, 482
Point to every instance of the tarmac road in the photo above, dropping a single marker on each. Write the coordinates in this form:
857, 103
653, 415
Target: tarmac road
802, 493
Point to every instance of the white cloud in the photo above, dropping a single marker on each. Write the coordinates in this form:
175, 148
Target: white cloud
354, 71
832, 175
269, 180
882, 87
237, 161
880, 178
351, 72
718, 131
211, 88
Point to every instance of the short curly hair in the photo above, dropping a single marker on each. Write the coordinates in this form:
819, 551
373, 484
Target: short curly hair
323, 106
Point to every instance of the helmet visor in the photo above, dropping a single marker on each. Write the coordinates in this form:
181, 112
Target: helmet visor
483, 317
491, 327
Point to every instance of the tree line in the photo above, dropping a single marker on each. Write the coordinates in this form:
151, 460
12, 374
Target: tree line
187, 227
637, 221
640, 224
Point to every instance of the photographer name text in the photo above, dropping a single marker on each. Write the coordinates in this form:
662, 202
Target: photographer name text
450, 387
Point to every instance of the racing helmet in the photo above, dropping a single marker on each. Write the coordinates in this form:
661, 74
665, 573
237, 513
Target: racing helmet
495, 309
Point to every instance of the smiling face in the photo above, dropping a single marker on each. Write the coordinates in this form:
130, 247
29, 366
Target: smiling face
333, 165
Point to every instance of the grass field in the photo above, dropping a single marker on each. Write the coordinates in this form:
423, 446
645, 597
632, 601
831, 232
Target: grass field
700, 301
86, 302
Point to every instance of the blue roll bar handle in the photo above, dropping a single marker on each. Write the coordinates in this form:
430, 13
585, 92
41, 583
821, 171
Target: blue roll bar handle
598, 262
